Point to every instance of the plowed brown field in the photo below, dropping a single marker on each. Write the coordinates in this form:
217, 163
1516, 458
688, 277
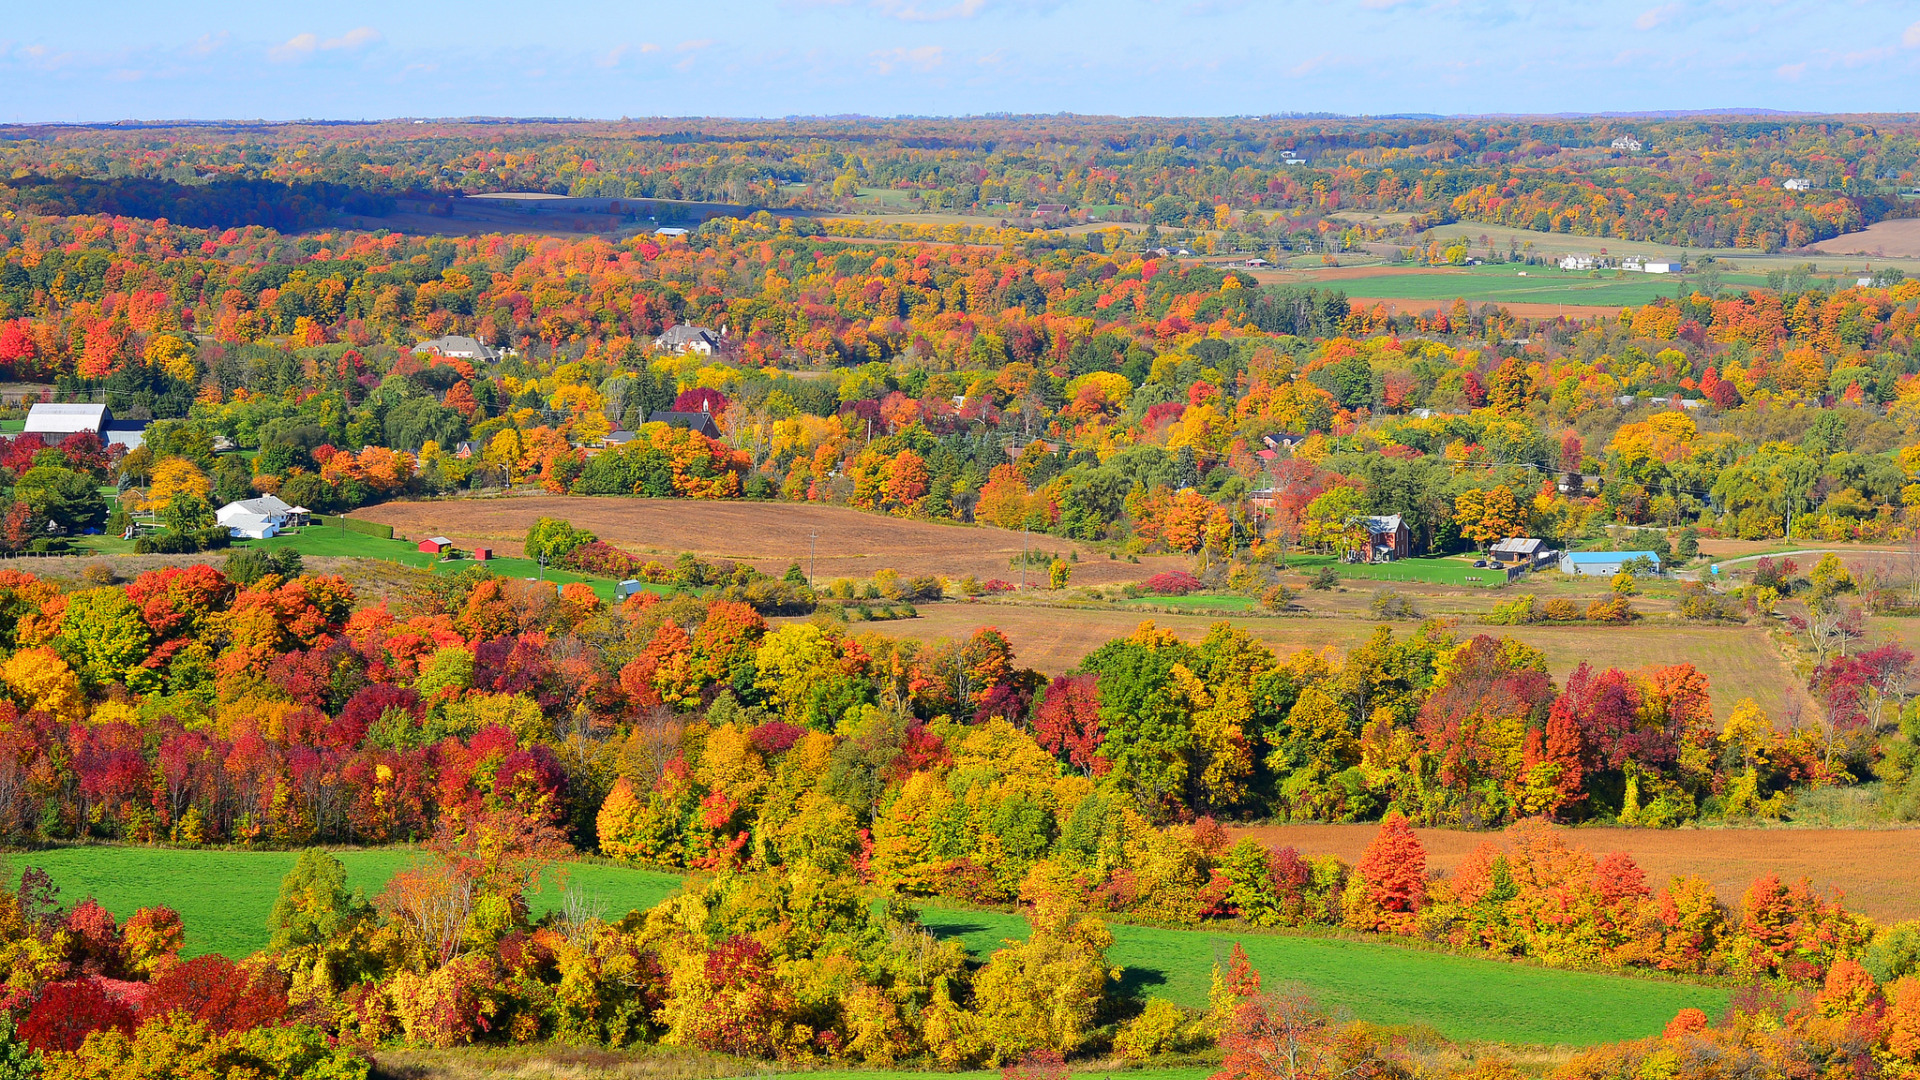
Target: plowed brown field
1899, 239
1877, 869
768, 535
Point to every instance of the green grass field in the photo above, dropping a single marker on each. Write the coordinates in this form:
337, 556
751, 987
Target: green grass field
1199, 604
225, 897
1445, 570
344, 543
1502, 283
1462, 997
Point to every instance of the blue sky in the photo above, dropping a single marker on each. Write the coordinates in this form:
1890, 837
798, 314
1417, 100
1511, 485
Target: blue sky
352, 59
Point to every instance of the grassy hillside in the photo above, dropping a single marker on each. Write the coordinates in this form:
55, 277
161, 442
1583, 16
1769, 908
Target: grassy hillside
225, 897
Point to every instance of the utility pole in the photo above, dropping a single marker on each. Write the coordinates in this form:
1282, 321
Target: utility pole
812, 562
1023, 554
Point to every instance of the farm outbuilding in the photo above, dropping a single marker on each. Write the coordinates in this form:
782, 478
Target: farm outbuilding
435, 545
482, 554
1524, 551
1603, 563
53, 422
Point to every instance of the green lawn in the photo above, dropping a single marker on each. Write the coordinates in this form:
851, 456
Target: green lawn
324, 540
1199, 604
1462, 997
1441, 570
225, 897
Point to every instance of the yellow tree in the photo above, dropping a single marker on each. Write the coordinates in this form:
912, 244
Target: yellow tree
1488, 517
172, 476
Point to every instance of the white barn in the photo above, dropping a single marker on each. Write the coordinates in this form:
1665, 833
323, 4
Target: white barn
53, 421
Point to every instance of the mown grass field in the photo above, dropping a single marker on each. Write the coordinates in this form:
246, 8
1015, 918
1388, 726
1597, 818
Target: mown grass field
225, 897
1443, 570
1503, 284
322, 540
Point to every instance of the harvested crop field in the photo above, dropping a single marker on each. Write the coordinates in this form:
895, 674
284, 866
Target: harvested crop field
1877, 869
1898, 239
768, 535
1737, 660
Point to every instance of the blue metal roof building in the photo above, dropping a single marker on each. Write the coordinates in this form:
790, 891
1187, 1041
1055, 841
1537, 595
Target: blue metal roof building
1603, 563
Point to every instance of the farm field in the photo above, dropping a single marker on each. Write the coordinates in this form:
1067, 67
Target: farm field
1899, 238
232, 918
1447, 570
1508, 283
771, 536
1737, 660
1877, 869
1463, 997
319, 540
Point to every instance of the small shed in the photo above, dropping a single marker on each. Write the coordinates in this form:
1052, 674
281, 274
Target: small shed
624, 589
1518, 551
482, 554
436, 545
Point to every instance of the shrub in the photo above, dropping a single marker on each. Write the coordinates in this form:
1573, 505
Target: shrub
1518, 611
1045, 993
1324, 579
68, 1012
600, 558
449, 1007
95, 944
1173, 583
1701, 604
179, 1047
248, 565
1616, 610
1390, 604
183, 543
729, 1001
1895, 953
1278, 598
154, 936
1038, 1065
554, 539
219, 993
1561, 609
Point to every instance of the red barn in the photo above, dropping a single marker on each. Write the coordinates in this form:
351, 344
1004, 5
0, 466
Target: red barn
435, 545
482, 554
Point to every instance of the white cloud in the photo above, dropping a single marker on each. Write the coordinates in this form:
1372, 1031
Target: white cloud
910, 11
1653, 17
694, 45
208, 44
303, 45
922, 60
615, 56
1911, 39
1791, 71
